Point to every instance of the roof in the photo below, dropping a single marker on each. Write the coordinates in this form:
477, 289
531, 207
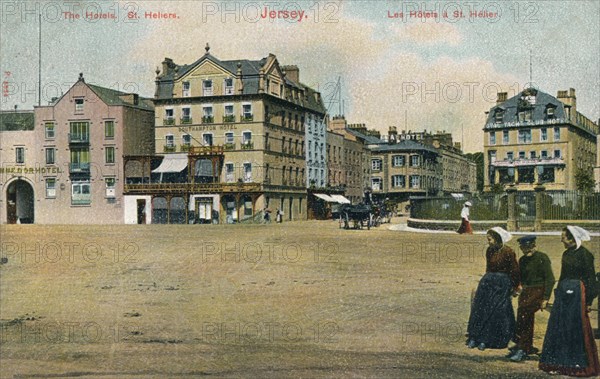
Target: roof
113, 97
542, 101
16, 120
369, 140
405, 145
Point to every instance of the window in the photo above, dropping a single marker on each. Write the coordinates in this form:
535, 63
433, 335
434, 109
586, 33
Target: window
415, 181
49, 126
543, 134
521, 155
229, 172
78, 105
376, 164
169, 116
50, 155
247, 112
398, 160
20, 155
505, 137
247, 172
557, 133
546, 174
415, 160
207, 139
398, 181
207, 114
185, 89
376, 184
186, 115
544, 154
525, 136
557, 153
109, 129
81, 193
526, 174
532, 155
207, 88
228, 86
110, 187
492, 138
80, 160
509, 156
109, 154
550, 112
228, 115
492, 156
247, 140
79, 132
186, 140
525, 116
498, 116
169, 140
51, 187
229, 137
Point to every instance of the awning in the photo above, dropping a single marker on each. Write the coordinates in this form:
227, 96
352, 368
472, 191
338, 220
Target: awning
325, 197
457, 196
172, 163
340, 199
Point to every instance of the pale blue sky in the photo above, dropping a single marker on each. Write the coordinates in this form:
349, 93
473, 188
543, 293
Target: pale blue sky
380, 60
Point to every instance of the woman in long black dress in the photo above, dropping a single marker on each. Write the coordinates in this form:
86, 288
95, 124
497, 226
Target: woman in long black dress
569, 347
492, 319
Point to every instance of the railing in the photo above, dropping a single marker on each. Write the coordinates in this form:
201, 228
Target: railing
79, 167
169, 148
247, 117
208, 119
192, 187
79, 138
81, 199
169, 121
185, 148
247, 145
206, 150
229, 118
186, 120
229, 146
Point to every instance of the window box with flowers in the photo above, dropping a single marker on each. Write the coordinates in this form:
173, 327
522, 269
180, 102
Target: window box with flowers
229, 146
248, 145
208, 119
229, 118
248, 117
186, 120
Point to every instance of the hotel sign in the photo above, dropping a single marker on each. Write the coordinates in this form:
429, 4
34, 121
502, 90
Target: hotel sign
22, 170
493, 125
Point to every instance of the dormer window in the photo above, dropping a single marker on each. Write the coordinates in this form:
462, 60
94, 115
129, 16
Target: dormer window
498, 116
550, 112
525, 115
186, 89
228, 86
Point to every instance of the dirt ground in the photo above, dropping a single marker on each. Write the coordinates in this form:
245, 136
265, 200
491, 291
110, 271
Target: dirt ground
298, 299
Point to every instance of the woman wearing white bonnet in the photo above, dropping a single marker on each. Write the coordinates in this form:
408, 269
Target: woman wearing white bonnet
492, 319
465, 223
569, 346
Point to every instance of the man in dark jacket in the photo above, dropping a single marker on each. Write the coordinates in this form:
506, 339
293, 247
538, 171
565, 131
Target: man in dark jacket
537, 282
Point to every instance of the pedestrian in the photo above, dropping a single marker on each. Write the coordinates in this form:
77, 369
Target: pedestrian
465, 225
267, 215
569, 347
492, 319
279, 216
537, 281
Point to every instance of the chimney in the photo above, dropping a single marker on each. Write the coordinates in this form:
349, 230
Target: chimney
570, 101
337, 123
131, 98
167, 66
292, 72
501, 97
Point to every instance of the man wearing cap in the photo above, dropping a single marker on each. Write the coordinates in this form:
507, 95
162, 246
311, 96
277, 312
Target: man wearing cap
465, 225
537, 281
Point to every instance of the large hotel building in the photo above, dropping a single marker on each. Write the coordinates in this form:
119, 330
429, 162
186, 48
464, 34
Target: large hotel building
535, 138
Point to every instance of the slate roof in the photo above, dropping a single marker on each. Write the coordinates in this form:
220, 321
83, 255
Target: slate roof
542, 101
112, 97
404, 145
20, 120
369, 140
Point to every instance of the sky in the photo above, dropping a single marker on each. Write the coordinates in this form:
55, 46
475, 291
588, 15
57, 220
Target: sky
416, 65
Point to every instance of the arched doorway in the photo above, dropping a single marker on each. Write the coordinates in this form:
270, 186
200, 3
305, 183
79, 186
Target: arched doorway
19, 203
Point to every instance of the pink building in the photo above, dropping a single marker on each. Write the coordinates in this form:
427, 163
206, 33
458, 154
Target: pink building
69, 168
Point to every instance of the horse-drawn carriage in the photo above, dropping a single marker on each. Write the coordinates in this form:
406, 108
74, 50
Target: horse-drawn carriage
359, 216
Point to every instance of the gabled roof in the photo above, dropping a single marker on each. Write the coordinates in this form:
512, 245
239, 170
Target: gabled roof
16, 120
113, 97
369, 140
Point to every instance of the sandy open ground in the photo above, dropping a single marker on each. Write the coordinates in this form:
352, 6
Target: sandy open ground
299, 299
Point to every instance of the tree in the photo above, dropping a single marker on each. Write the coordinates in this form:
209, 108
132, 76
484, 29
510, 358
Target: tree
584, 180
478, 159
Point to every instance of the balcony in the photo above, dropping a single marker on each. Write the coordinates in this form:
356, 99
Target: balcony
229, 118
79, 138
206, 150
208, 119
247, 117
169, 148
247, 145
168, 121
528, 162
81, 199
186, 120
79, 168
164, 188
229, 146
185, 148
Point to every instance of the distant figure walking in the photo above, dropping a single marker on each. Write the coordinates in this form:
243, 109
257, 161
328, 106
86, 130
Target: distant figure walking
465, 225
267, 216
279, 216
